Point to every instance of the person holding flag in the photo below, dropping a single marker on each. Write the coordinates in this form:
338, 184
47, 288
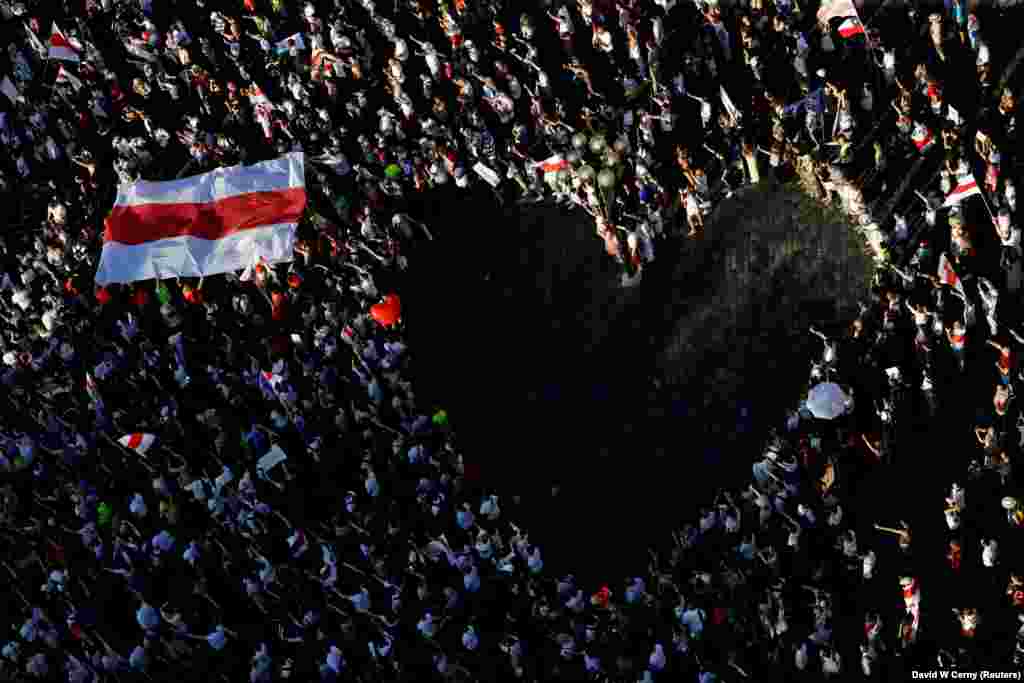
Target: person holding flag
849, 27
956, 334
832, 9
947, 275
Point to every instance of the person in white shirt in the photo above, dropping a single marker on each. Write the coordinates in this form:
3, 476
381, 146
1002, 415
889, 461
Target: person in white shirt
694, 217
989, 553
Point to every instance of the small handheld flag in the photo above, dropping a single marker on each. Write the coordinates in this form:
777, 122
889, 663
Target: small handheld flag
60, 47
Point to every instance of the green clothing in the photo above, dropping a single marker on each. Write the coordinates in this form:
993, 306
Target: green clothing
163, 294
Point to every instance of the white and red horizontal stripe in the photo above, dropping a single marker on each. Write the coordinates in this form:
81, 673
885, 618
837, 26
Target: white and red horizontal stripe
553, 164
214, 220
831, 9
138, 442
946, 273
921, 139
850, 28
211, 223
267, 176
966, 186
258, 97
194, 257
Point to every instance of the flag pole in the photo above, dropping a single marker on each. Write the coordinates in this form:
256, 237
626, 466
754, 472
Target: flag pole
984, 199
988, 208
981, 193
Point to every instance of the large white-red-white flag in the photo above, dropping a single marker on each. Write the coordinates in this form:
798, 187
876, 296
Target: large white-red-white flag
215, 222
60, 47
966, 186
830, 9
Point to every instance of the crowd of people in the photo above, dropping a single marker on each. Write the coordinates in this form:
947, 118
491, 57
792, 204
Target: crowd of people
204, 480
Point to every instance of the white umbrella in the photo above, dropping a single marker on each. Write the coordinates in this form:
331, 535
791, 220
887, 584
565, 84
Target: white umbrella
828, 401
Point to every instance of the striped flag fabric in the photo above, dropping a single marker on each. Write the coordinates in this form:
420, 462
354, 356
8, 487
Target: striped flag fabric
60, 48
269, 383
851, 27
138, 442
257, 97
947, 275
553, 164
216, 222
966, 186
93, 391
830, 9
922, 138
